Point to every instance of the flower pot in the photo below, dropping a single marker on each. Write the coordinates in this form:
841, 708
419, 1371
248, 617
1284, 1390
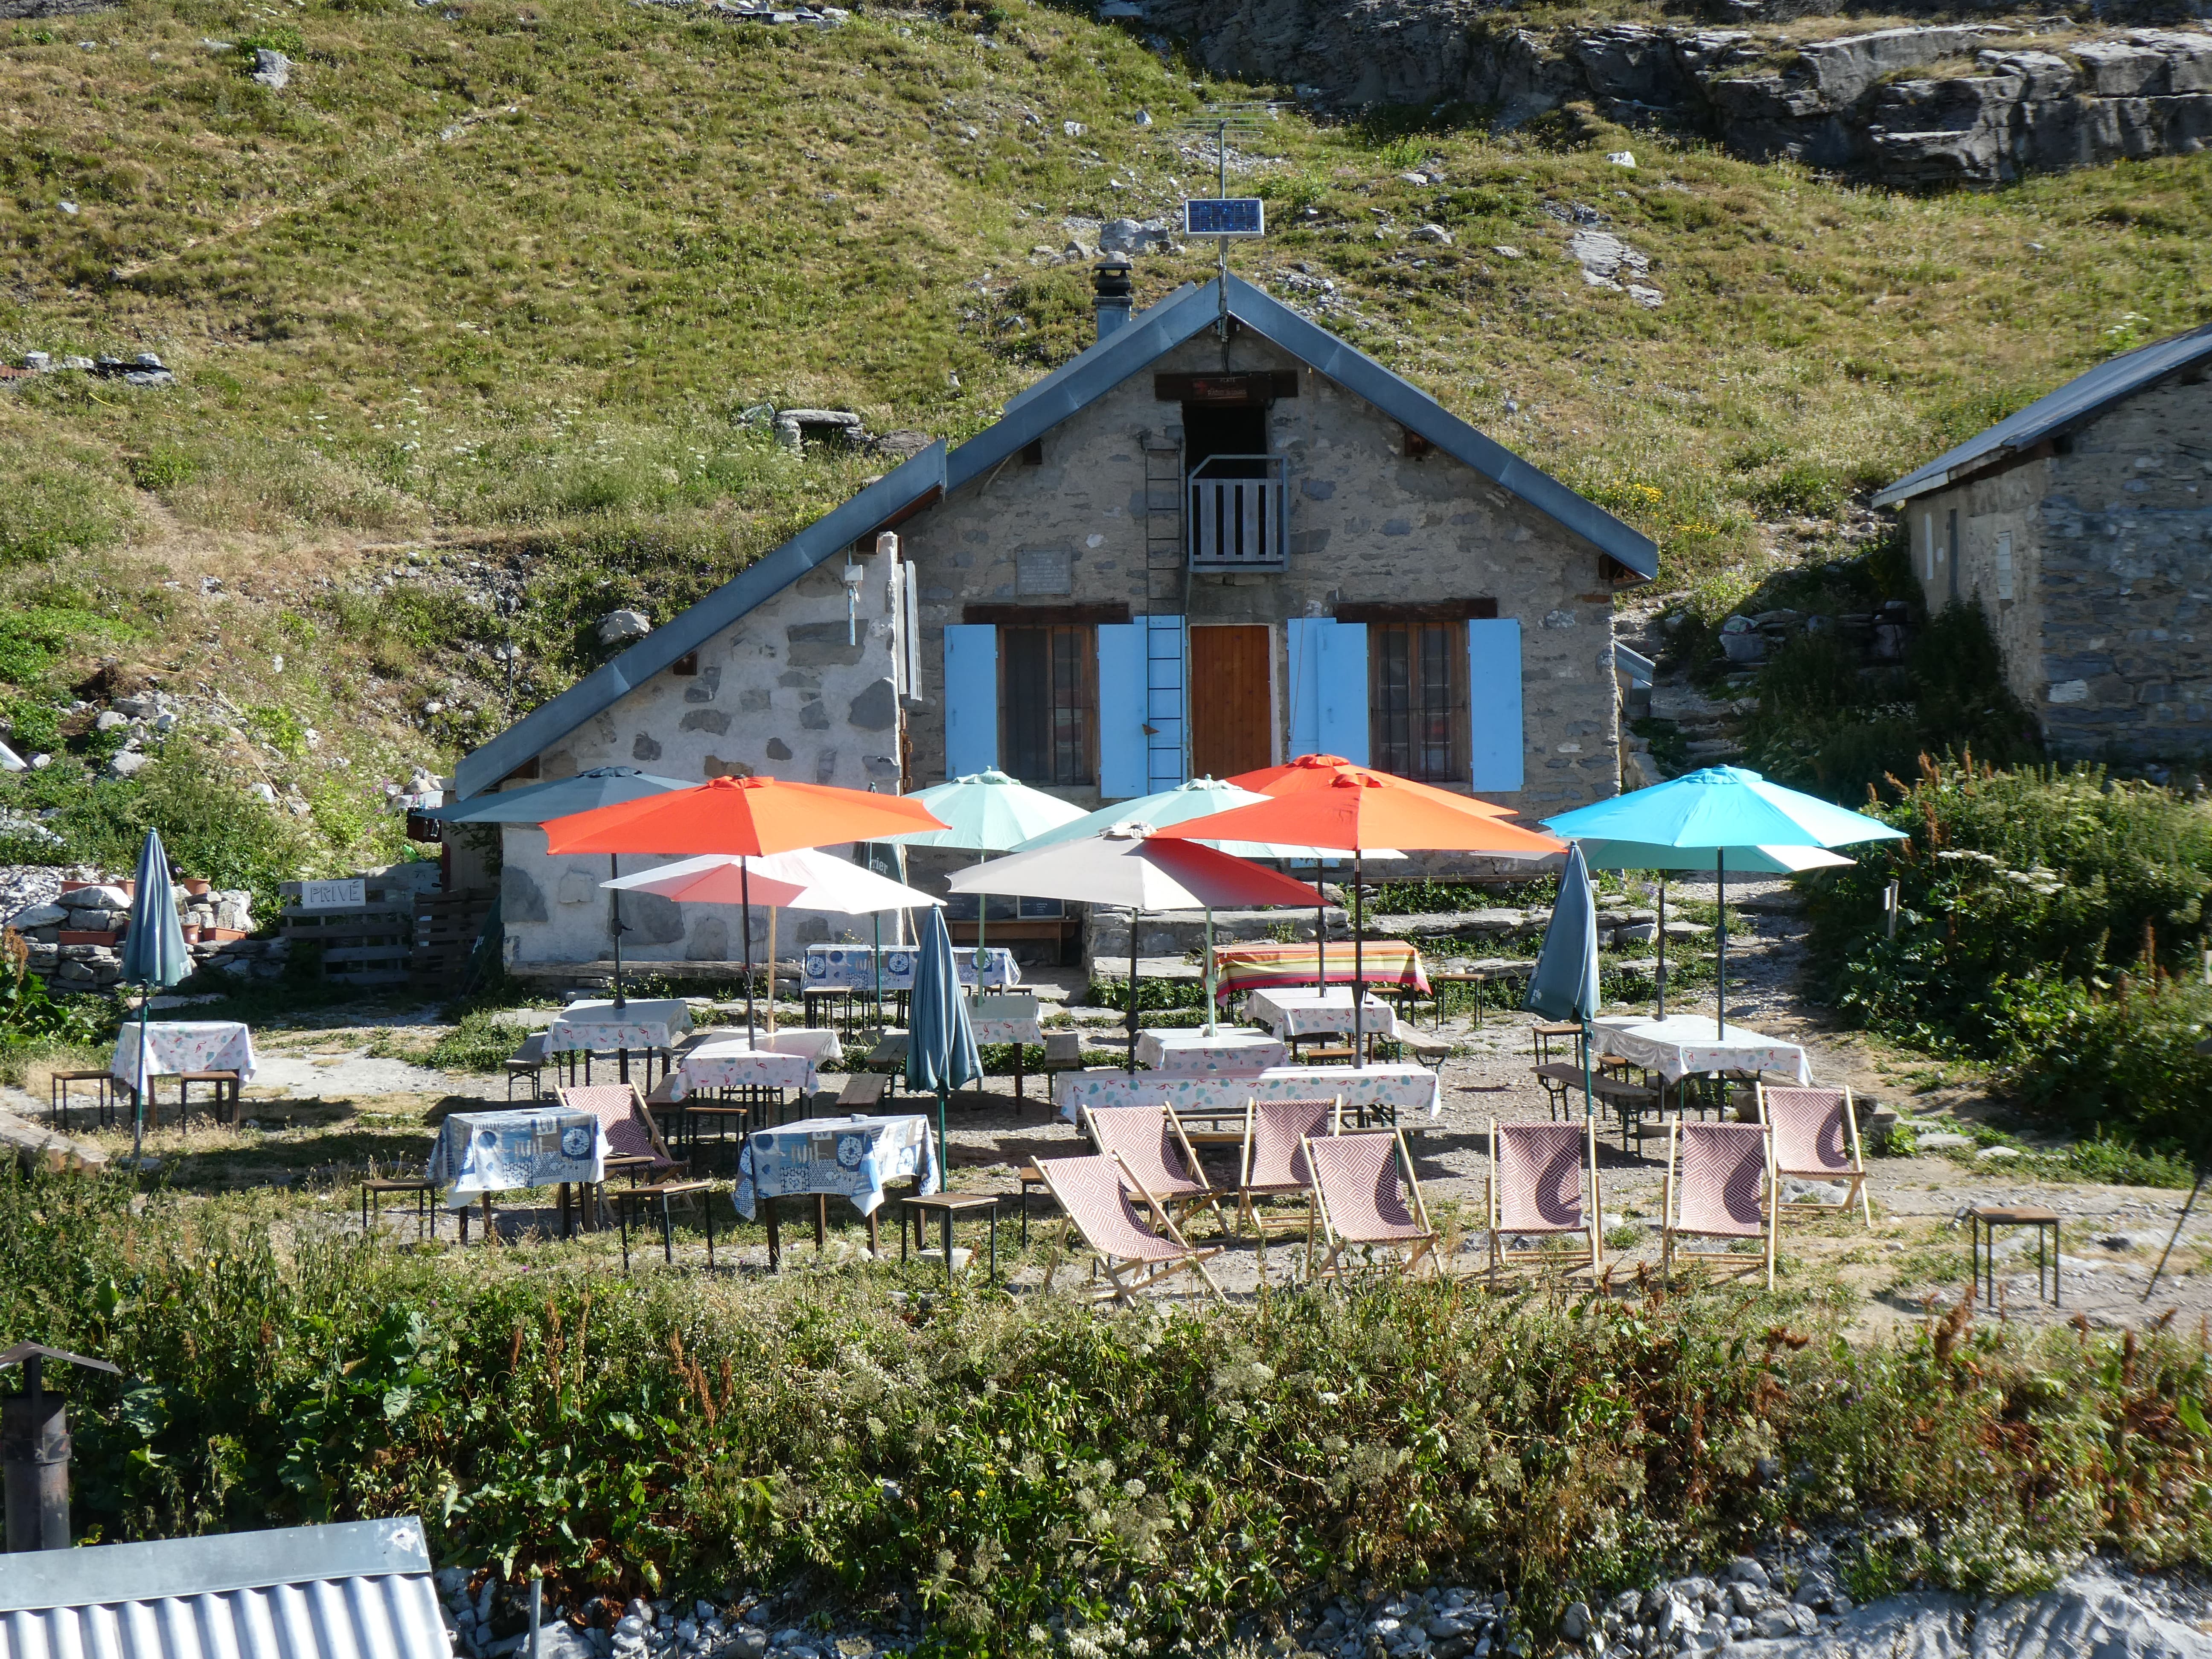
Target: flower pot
195, 886
192, 930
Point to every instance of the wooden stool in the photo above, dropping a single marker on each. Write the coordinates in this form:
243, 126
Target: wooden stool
1335, 1054
1029, 1175
946, 1206
226, 1086
57, 1103
425, 1211
624, 1197
1981, 1259
1541, 1038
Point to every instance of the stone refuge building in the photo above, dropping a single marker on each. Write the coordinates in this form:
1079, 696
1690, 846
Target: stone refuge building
2082, 526
1218, 537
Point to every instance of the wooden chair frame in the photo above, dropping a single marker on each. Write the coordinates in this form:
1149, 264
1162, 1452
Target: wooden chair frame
1417, 1250
1856, 1176
1122, 1289
1207, 1199
1247, 1207
1593, 1254
1668, 1226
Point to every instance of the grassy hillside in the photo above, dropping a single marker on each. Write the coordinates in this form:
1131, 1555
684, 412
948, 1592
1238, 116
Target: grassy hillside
468, 318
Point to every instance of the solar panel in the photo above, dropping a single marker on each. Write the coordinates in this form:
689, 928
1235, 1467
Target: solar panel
1232, 215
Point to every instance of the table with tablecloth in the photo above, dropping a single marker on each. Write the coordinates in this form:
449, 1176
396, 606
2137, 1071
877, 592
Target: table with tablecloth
1242, 968
1399, 1090
1231, 1051
1689, 1045
734, 1063
988, 1031
852, 967
641, 1023
184, 1045
1290, 1013
854, 1157
482, 1152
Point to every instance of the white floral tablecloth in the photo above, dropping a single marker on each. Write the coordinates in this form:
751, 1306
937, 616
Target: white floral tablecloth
1231, 1051
854, 1157
600, 1028
184, 1045
1689, 1045
817, 1042
1312, 1013
1024, 1031
499, 1152
852, 967
733, 1063
1403, 1089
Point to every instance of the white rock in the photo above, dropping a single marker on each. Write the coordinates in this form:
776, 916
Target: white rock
1622, 158
1435, 233
110, 720
1995, 1154
619, 626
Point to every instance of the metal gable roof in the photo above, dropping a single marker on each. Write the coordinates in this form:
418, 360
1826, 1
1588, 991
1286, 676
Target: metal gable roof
911, 482
2078, 400
358, 1590
1188, 312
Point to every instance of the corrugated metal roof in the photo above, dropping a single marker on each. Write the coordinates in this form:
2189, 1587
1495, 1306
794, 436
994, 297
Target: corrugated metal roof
359, 1590
2079, 400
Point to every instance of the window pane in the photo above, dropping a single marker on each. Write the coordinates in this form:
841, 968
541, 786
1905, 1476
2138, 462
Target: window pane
1415, 699
1047, 703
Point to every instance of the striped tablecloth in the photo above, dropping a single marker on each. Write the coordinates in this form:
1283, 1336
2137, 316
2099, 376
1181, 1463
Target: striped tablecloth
1231, 1051
1240, 968
1405, 1089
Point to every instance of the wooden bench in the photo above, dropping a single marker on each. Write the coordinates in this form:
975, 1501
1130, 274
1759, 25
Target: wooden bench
625, 1198
1558, 1081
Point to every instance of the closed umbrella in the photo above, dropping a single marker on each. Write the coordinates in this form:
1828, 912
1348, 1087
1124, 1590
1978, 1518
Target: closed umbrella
987, 811
1355, 807
154, 954
1720, 813
1564, 985
1645, 855
745, 817
1131, 866
941, 1048
603, 786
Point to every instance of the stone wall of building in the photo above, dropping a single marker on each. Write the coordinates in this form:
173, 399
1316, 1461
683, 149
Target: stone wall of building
788, 691
1367, 524
1989, 508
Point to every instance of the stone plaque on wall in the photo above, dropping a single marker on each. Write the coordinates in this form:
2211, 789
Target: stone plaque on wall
1044, 570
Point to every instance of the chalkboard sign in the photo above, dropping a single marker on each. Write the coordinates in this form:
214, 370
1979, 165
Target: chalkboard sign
1230, 216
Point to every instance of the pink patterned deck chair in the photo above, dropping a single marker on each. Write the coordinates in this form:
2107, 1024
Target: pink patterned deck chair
1721, 1187
1543, 1183
1151, 1143
1366, 1195
634, 1141
1094, 1192
1816, 1137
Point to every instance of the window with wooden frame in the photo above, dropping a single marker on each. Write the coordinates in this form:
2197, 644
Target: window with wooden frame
1048, 704
1417, 699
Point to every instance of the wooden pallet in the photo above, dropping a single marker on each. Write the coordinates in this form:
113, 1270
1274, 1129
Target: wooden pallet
447, 928
368, 944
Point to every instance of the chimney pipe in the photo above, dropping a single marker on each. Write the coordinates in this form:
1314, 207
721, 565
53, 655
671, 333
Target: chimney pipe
1109, 281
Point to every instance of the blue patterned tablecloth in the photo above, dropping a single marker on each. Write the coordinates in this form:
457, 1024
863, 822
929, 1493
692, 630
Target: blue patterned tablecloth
1407, 1088
852, 967
499, 1152
854, 1157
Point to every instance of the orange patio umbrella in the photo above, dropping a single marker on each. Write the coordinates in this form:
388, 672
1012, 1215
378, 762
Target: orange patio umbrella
1324, 805
1303, 772
744, 817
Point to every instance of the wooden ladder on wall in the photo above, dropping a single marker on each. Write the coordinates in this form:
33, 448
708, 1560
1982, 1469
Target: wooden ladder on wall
1166, 583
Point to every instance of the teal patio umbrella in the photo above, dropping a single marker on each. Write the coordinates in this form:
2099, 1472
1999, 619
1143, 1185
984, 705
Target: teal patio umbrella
1720, 813
941, 1045
154, 954
603, 786
1564, 985
988, 812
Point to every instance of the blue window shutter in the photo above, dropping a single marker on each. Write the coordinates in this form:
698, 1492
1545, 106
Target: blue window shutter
1302, 639
971, 698
1122, 759
1342, 683
1493, 687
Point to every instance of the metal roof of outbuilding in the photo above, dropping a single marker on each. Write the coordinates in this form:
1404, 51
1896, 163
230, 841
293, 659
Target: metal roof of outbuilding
2079, 400
358, 1590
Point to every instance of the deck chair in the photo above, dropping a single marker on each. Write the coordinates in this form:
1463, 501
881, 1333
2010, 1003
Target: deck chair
1152, 1147
634, 1141
1274, 1164
1816, 1137
1538, 1187
1094, 1192
1366, 1194
1720, 1184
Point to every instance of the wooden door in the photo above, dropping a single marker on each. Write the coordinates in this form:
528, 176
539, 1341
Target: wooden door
1231, 710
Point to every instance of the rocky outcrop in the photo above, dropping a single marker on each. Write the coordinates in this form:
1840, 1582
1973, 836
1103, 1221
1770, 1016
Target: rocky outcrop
1849, 105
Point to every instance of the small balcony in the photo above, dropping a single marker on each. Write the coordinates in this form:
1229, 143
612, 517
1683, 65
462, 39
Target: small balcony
1239, 513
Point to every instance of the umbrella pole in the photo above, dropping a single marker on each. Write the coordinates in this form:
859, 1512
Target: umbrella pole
745, 903
614, 868
1320, 933
1720, 960
982, 920
771, 973
1662, 945
879, 973
138, 1098
1209, 970
944, 1148
1358, 970
1133, 914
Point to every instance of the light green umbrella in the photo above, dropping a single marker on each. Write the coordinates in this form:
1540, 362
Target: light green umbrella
988, 812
